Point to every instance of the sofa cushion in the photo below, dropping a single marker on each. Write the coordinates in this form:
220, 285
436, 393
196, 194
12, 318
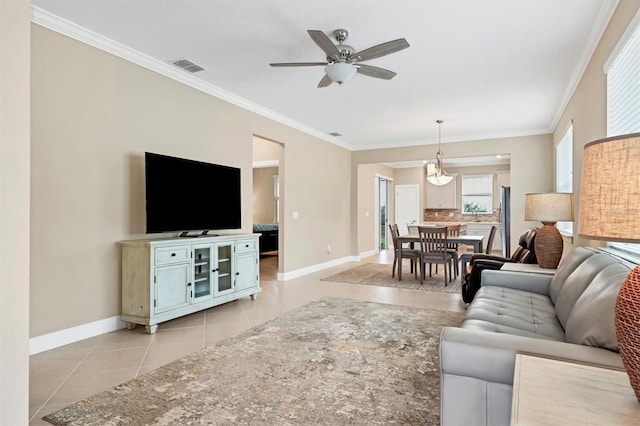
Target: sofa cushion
567, 265
512, 311
592, 319
577, 282
511, 330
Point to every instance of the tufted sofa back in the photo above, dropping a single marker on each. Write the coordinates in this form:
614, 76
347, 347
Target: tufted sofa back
584, 292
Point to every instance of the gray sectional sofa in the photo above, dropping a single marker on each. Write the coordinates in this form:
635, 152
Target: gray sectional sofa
567, 315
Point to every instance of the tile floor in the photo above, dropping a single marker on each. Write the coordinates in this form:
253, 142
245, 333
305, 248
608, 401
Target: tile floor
64, 375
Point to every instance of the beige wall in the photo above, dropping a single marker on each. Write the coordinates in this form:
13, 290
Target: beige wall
263, 200
15, 19
531, 167
588, 106
93, 117
265, 150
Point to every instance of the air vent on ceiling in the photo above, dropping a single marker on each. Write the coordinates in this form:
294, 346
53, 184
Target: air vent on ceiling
187, 65
335, 134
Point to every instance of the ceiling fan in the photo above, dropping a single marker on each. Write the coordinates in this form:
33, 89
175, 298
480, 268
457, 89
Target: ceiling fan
343, 61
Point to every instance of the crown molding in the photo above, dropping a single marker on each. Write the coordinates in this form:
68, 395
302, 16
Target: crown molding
622, 42
599, 26
56, 23
457, 139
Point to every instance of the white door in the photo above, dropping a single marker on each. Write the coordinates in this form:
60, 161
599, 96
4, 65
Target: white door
407, 206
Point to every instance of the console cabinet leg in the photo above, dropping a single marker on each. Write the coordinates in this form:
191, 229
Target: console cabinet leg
151, 329
131, 325
253, 297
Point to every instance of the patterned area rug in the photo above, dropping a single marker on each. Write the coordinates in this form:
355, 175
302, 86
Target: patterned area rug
331, 362
378, 274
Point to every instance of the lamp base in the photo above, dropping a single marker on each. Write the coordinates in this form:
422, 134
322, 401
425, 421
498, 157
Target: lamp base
548, 246
628, 327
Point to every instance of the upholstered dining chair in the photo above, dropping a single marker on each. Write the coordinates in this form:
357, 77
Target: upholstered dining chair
433, 249
407, 253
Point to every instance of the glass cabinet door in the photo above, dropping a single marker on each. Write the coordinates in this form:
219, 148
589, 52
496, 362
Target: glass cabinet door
202, 272
224, 269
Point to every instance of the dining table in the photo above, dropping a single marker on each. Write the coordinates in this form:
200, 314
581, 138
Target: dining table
472, 240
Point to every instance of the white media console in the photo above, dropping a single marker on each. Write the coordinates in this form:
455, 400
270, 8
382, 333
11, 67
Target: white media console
163, 279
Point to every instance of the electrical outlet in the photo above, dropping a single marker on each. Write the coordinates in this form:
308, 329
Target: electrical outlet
329, 249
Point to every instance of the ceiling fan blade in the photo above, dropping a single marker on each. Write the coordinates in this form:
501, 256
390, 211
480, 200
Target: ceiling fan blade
381, 50
376, 72
325, 43
299, 64
325, 81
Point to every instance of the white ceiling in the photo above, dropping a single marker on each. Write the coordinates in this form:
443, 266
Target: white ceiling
489, 69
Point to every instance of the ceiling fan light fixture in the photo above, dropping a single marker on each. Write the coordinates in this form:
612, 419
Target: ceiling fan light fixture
340, 72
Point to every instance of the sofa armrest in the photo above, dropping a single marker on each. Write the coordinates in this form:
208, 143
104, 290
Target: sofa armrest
476, 372
480, 264
534, 283
482, 256
491, 356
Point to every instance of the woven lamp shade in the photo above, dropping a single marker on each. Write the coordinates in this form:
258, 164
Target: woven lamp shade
610, 211
549, 208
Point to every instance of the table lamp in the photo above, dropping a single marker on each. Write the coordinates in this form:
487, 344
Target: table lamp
610, 211
548, 208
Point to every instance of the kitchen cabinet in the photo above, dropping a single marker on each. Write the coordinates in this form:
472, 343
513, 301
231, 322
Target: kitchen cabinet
441, 196
484, 228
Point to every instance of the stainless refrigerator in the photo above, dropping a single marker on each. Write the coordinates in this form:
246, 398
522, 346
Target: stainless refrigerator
505, 220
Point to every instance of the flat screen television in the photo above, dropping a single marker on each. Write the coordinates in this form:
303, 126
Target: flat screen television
186, 195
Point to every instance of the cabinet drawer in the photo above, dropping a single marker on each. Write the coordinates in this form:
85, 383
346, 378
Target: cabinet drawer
246, 245
166, 255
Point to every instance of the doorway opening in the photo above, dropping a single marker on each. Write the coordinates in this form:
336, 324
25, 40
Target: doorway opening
383, 213
268, 195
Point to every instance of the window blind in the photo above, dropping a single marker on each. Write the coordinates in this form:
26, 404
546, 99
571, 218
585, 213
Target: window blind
477, 194
623, 98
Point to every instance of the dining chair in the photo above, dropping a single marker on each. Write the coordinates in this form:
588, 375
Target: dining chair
407, 253
454, 231
433, 250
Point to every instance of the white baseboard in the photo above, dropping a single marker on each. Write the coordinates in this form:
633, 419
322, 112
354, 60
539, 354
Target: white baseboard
368, 253
74, 334
315, 268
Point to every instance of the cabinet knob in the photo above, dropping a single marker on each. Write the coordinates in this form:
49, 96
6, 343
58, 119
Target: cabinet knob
247, 245
173, 254
237, 273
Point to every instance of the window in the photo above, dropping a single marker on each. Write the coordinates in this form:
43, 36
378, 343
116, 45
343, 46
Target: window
276, 198
564, 173
623, 98
477, 194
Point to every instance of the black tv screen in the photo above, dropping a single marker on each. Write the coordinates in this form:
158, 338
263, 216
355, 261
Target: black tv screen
186, 195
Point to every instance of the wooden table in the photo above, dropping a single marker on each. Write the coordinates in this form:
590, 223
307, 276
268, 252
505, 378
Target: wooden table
554, 392
472, 240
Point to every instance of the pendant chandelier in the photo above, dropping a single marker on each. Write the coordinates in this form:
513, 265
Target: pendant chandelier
435, 173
